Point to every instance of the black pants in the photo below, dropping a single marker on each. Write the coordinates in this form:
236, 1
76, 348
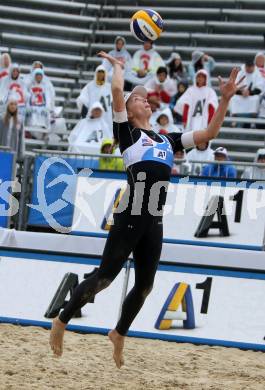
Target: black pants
141, 235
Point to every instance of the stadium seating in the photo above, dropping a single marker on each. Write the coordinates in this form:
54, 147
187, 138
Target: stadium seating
66, 36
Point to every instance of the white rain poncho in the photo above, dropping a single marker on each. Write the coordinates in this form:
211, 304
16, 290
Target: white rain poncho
93, 92
170, 127
255, 173
197, 104
167, 88
29, 79
40, 103
148, 60
250, 104
122, 55
88, 134
14, 88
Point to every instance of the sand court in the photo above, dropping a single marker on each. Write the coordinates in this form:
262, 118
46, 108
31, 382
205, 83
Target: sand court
27, 363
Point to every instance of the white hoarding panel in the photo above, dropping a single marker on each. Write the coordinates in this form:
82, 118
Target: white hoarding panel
235, 216
207, 306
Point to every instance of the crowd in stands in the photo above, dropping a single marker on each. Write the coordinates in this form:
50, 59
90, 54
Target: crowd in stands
181, 99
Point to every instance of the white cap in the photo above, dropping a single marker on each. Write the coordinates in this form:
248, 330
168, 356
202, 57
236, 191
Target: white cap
221, 150
138, 90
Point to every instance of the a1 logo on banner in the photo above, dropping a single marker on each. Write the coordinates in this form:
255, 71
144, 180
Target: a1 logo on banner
179, 306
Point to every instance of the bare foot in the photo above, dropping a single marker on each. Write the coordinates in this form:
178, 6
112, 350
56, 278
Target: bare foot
118, 342
56, 336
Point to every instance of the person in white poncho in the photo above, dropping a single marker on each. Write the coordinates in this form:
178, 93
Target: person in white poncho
88, 134
40, 104
97, 90
5, 62
256, 173
13, 85
121, 54
29, 79
165, 123
202, 152
246, 102
146, 61
198, 104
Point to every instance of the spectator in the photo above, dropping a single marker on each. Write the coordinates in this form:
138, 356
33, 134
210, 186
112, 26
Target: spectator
202, 152
165, 123
219, 170
146, 61
11, 128
40, 105
246, 102
199, 61
5, 62
198, 104
97, 90
29, 79
13, 85
110, 164
156, 107
88, 134
181, 88
122, 55
181, 167
162, 84
176, 68
256, 173
260, 62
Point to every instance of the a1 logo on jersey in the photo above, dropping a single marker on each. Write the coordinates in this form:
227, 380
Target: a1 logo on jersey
160, 154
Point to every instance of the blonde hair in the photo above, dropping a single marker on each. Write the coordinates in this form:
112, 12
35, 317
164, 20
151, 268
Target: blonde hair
8, 114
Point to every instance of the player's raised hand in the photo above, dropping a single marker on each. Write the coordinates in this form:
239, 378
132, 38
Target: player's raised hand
111, 59
231, 86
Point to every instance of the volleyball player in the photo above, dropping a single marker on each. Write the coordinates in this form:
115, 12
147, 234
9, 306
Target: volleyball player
137, 227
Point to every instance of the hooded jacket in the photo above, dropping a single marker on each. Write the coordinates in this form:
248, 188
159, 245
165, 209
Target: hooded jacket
255, 83
122, 55
197, 105
148, 60
110, 164
29, 79
170, 127
16, 88
166, 89
87, 135
208, 66
201, 155
261, 69
93, 92
255, 173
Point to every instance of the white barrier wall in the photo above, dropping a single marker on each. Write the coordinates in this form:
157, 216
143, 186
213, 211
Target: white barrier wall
93, 246
220, 307
235, 312
241, 215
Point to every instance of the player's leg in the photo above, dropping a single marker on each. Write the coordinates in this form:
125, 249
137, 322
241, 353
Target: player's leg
146, 258
121, 240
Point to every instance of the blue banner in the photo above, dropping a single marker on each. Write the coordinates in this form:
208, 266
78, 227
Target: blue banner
54, 184
6, 175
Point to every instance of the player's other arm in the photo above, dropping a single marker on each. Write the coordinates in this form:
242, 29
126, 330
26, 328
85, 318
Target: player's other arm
117, 83
227, 90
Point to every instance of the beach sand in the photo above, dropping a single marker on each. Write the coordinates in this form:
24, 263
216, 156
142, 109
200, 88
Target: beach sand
27, 363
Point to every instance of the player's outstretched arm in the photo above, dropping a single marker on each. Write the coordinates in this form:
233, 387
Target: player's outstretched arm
227, 89
117, 83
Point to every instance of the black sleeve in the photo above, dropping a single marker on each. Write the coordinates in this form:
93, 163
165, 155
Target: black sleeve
125, 135
175, 140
